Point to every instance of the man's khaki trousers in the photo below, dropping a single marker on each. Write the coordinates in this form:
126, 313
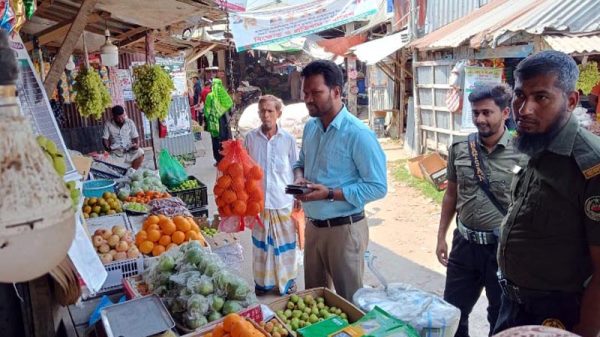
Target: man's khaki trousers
335, 255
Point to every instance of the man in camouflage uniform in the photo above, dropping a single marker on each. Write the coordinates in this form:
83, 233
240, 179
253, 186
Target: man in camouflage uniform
549, 251
471, 265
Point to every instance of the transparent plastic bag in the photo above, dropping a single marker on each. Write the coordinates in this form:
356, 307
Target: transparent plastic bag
238, 190
426, 312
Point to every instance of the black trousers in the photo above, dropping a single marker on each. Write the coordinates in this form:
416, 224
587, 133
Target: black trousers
224, 134
559, 310
471, 268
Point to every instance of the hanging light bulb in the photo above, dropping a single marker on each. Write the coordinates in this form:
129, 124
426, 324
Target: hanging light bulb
209, 58
70, 64
109, 53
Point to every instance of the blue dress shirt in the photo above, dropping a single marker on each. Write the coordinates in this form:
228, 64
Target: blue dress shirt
348, 156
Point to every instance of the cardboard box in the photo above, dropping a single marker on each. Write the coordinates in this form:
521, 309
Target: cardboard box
433, 167
331, 299
413, 167
83, 165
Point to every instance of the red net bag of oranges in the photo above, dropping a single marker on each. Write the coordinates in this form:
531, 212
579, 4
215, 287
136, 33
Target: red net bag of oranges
239, 189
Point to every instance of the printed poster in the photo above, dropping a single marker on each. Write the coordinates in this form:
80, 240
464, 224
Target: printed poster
476, 76
259, 28
124, 78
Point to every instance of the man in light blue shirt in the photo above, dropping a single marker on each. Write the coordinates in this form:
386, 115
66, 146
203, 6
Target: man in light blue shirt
343, 165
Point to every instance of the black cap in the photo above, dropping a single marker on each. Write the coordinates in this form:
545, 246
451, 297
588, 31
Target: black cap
118, 110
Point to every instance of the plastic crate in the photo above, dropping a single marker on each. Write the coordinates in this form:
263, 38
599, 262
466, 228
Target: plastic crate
194, 198
107, 170
119, 270
199, 212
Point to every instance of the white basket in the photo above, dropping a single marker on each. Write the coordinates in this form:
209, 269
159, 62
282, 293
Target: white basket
108, 221
119, 270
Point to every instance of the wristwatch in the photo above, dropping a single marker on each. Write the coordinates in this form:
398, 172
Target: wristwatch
330, 195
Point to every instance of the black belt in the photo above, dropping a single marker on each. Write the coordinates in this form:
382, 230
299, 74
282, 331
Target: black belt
520, 294
479, 237
339, 221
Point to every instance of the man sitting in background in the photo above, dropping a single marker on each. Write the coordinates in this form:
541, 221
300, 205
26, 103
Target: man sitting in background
120, 138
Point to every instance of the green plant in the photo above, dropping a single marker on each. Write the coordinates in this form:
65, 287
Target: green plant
92, 97
402, 174
589, 76
152, 88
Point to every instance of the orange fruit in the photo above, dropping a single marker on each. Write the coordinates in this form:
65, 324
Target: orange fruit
225, 211
224, 181
252, 186
224, 164
152, 219
146, 247
253, 208
171, 245
168, 227
255, 173
161, 217
157, 250
238, 207
220, 202
230, 320
242, 195
235, 170
154, 235
182, 224
228, 197
191, 235
178, 237
164, 240
239, 327
237, 184
153, 227
218, 190
218, 331
195, 228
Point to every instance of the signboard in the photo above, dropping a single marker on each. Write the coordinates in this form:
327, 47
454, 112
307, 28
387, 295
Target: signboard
475, 76
259, 28
124, 78
232, 5
179, 119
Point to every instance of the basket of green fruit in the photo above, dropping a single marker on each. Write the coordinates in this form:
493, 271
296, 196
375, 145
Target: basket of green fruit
135, 208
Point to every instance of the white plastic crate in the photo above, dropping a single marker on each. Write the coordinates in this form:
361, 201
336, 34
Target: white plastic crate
119, 270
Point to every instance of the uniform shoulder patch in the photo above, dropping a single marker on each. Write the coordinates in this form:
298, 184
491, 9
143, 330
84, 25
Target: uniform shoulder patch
586, 151
592, 208
553, 323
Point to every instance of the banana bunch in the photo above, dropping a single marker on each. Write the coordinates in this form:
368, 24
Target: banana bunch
60, 165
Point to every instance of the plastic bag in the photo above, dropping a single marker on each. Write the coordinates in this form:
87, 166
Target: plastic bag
300, 223
172, 173
239, 189
427, 313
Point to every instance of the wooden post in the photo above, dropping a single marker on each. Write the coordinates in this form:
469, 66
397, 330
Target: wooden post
223, 66
154, 131
68, 45
402, 90
351, 69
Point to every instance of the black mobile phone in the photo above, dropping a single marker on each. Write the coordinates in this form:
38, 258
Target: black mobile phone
296, 189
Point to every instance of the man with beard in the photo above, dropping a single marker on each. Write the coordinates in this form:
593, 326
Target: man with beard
549, 251
343, 166
479, 176
121, 139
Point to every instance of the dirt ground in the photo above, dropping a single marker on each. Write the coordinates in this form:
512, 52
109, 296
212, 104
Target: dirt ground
403, 231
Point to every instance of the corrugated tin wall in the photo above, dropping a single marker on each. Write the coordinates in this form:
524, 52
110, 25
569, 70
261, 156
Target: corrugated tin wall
443, 12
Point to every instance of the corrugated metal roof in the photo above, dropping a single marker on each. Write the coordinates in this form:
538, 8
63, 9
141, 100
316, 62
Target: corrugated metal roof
443, 12
501, 19
574, 44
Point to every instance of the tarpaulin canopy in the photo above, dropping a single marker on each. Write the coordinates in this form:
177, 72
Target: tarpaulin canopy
376, 50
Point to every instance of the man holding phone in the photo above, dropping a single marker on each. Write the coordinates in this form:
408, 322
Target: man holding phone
343, 166
121, 139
